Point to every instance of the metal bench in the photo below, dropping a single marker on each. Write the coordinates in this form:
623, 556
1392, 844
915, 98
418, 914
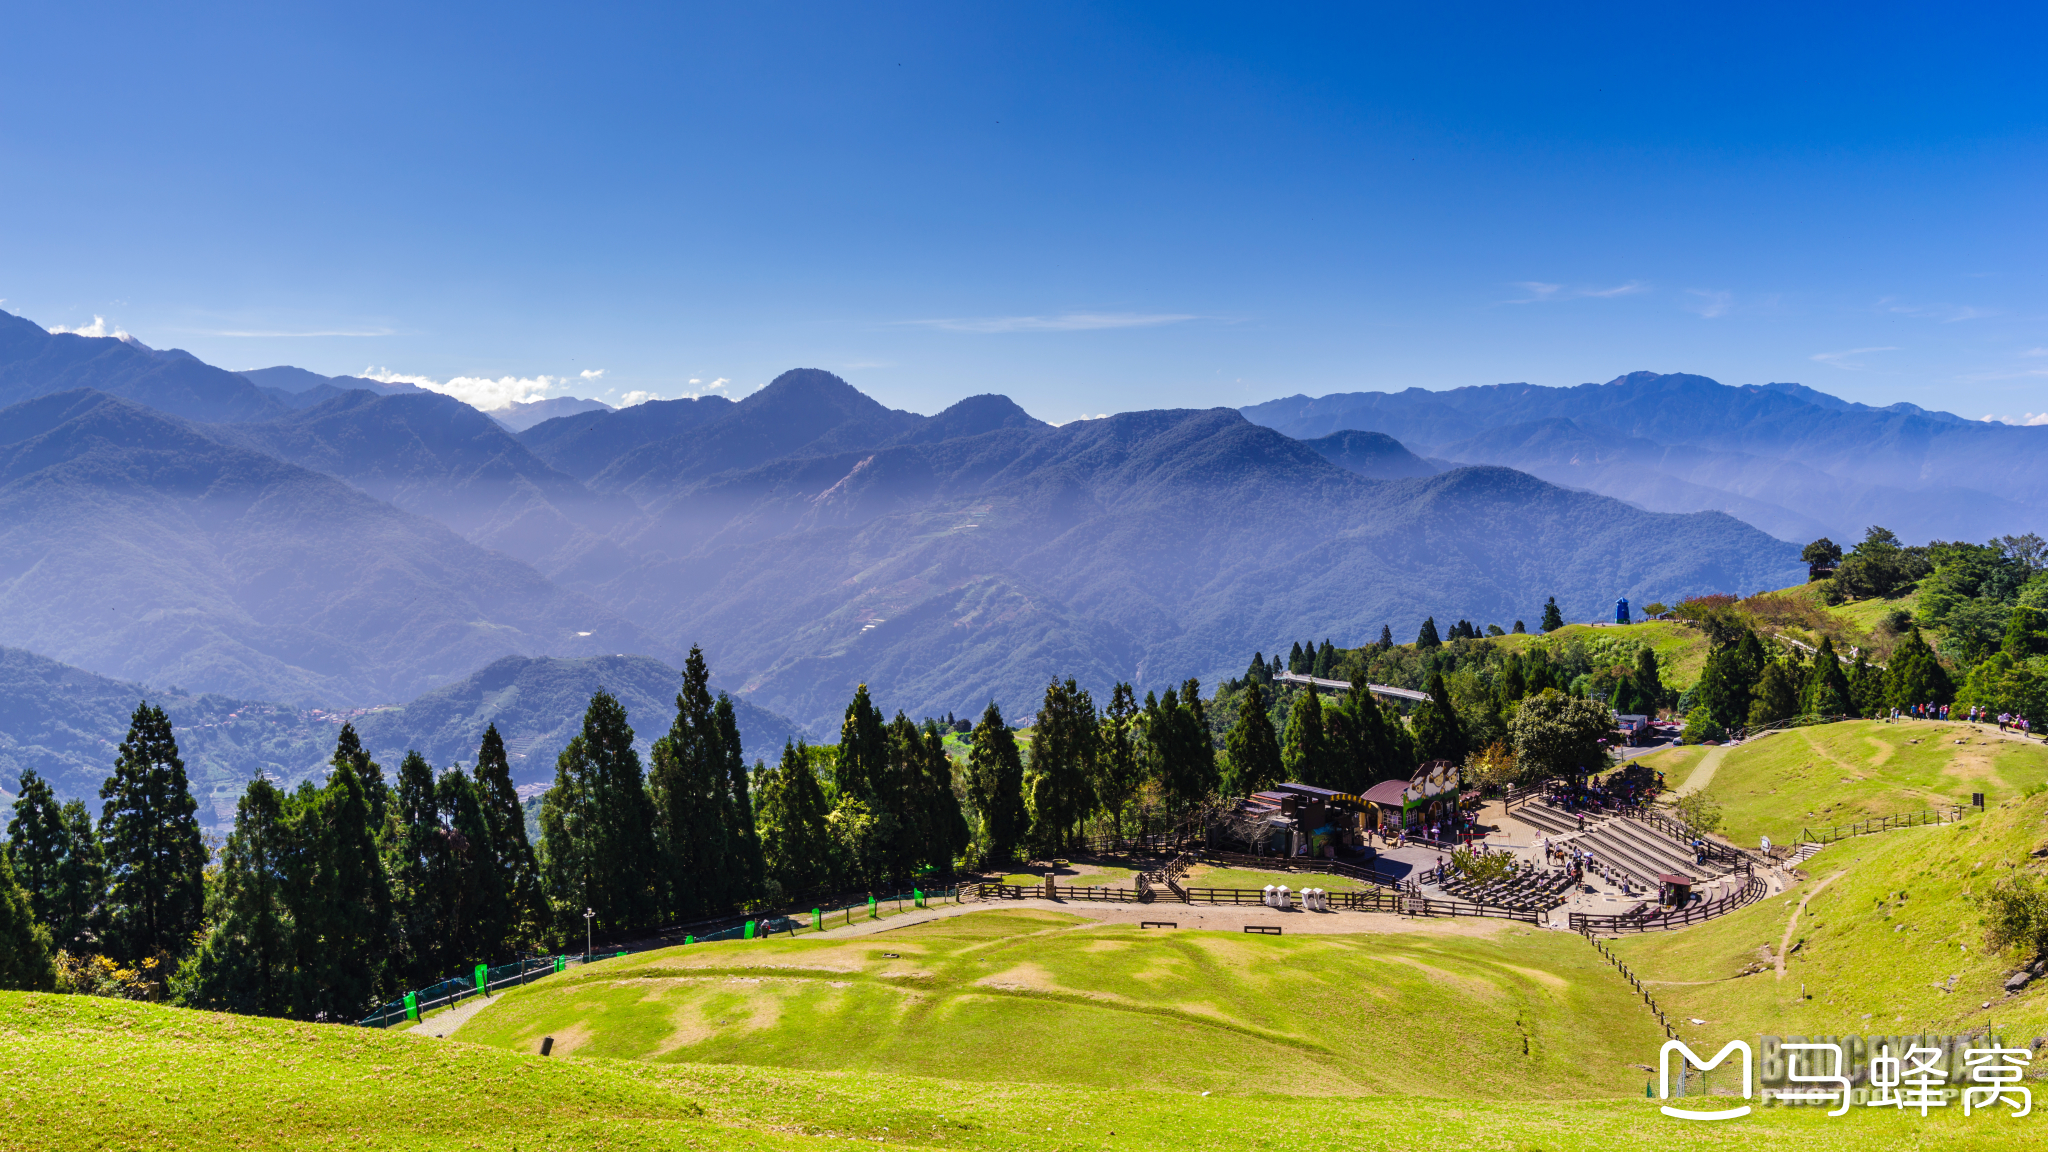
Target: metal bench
1266, 929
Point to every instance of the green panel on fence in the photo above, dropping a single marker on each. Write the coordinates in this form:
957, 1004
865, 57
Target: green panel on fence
689, 939
622, 951
917, 897
817, 920
483, 977
749, 934
412, 1006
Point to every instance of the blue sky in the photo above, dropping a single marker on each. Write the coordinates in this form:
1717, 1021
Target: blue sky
1090, 208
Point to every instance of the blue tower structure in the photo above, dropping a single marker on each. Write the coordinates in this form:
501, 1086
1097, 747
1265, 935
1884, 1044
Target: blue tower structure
1621, 610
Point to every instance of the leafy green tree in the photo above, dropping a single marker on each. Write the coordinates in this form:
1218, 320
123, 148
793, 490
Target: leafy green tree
25, 964
1827, 691
859, 841
1559, 735
1776, 697
1063, 753
2026, 632
1428, 638
1438, 733
995, 787
1552, 618
1255, 761
1822, 553
1700, 810
517, 917
1513, 685
1305, 752
1119, 772
1701, 727
1915, 675
155, 859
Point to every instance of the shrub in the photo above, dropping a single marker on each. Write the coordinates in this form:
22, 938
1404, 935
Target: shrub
1700, 727
1700, 810
2016, 914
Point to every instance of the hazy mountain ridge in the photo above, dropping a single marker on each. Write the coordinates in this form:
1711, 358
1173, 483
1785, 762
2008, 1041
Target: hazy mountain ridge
35, 363
1784, 456
140, 546
67, 724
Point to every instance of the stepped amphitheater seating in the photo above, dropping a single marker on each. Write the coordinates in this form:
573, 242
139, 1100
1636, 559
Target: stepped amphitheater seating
1618, 842
1533, 889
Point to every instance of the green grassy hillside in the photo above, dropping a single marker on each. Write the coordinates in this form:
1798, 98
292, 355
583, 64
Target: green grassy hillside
83, 1073
1835, 774
1046, 997
1890, 941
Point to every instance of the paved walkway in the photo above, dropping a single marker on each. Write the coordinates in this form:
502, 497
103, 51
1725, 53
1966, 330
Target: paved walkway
1703, 772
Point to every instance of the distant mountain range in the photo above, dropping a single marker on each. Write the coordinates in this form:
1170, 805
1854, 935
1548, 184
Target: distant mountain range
1793, 461
379, 544
67, 724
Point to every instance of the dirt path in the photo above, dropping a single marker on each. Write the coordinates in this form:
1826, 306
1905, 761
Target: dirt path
1793, 924
443, 1024
1703, 772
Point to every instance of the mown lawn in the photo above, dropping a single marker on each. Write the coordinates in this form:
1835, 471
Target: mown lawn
1788, 782
1207, 876
1039, 996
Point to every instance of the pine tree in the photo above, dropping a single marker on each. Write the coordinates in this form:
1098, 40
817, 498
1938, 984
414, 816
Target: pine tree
946, 826
1201, 777
1438, 733
744, 868
995, 787
421, 874
1063, 752
1386, 637
1649, 683
1519, 629
77, 903
248, 962
1255, 762
1866, 687
1513, 685
1427, 638
689, 794
1118, 770
37, 842
517, 918
613, 864
1378, 747
155, 858
348, 747
1305, 752
1776, 696
1326, 660
863, 750
1915, 675
24, 944
795, 843
345, 935
1552, 618
1827, 691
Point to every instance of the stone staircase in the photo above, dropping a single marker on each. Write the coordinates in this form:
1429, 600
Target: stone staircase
1620, 844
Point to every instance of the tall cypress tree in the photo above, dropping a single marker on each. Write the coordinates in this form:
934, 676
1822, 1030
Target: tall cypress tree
348, 747
24, 944
345, 935
945, 824
744, 871
1438, 733
518, 918
1294, 658
155, 858
1427, 638
624, 860
995, 786
1118, 772
1552, 618
1254, 749
690, 796
1866, 687
1063, 751
474, 887
1915, 676
1648, 683
37, 841
421, 874
1305, 752
863, 768
1827, 691
1513, 685
1386, 637
795, 843
248, 962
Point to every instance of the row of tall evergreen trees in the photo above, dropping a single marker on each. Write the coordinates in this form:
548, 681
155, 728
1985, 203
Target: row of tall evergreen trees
1745, 684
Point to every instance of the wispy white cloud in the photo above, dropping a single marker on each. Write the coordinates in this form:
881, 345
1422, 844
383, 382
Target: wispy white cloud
1540, 292
2029, 420
267, 334
482, 392
1065, 322
636, 397
98, 329
1846, 360
592, 374
1081, 417
1944, 313
1709, 304
716, 387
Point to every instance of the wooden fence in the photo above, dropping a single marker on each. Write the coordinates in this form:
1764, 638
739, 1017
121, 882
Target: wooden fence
1751, 892
1608, 955
1882, 824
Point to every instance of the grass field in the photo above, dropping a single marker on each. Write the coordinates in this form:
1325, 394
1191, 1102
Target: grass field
1877, 946
1210, 876
83, 1073
1040, 996
1837, 774
1681, 649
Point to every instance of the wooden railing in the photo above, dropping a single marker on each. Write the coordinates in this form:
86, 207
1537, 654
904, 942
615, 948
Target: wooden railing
1882, 824
1685, 833
1750, 893
1607, 954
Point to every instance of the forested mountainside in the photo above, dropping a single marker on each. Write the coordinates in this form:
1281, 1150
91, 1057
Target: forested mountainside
1791, 460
